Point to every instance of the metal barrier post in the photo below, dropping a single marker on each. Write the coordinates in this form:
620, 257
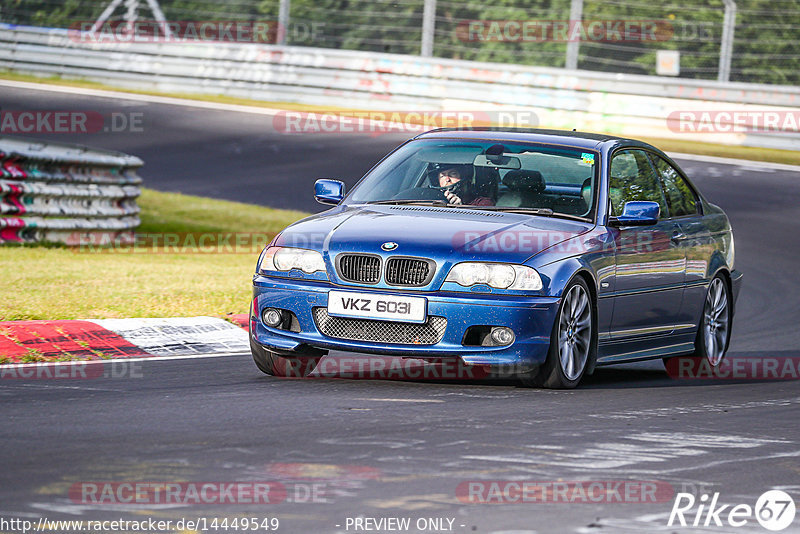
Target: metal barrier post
428, 27
575, 16
726, 46
283, 21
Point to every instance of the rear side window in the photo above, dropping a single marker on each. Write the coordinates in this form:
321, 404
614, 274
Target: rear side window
633, 178
680, 197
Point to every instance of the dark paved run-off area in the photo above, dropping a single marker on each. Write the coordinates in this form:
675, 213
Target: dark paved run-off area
383, 448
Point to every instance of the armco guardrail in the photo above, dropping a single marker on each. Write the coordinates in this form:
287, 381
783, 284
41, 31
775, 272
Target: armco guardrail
66, 194
615, 103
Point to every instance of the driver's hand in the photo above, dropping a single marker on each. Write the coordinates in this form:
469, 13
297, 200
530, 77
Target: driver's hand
452, 198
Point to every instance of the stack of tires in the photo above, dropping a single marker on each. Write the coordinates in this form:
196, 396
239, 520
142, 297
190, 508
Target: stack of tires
66, 194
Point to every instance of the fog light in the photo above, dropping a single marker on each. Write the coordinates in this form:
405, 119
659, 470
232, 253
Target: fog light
502, 335
272, 317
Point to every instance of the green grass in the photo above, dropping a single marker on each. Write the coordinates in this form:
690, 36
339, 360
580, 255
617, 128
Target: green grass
42, 282
175, 212
791, 157
32, 356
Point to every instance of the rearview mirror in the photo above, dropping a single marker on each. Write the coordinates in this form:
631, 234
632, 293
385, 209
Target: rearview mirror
499, 161
327, 191
637, 213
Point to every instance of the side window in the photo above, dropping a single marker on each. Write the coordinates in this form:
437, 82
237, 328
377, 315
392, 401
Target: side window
680, 197
633, 178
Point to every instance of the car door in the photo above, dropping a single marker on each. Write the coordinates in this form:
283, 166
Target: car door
694, 238
650, 263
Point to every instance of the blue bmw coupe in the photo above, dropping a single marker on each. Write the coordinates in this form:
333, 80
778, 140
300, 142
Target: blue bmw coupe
545, 252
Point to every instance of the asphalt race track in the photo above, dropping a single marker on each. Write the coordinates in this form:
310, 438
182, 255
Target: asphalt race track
389, 448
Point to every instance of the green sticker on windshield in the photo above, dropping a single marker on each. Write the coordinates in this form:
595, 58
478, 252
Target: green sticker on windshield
587, 159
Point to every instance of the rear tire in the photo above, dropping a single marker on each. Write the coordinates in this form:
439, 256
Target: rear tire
714, 331
573, 341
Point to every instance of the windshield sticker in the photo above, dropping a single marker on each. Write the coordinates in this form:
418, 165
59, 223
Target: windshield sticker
587, 159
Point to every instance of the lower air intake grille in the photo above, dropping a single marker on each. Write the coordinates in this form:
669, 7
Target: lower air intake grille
427, 333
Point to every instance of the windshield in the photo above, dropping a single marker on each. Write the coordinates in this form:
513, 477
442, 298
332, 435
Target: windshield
550, 180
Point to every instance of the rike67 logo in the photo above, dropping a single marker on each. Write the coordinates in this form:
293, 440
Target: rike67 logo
774, 510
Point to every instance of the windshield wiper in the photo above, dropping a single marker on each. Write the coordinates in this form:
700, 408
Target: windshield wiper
544, 212
547, 212
412, 201
442, 203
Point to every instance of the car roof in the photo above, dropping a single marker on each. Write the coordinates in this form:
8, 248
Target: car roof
562, 137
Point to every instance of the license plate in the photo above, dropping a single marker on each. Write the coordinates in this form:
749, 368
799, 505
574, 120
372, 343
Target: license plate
377, 306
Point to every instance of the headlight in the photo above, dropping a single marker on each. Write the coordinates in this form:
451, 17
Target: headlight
286, 259
498, 275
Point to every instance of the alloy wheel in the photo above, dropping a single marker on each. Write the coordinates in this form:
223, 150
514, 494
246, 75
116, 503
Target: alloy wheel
716, 322
574, 332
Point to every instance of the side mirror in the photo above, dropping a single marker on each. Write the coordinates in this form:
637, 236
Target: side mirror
637, 213
327, 191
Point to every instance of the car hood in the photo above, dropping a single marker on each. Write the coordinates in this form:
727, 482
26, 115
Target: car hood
446, 235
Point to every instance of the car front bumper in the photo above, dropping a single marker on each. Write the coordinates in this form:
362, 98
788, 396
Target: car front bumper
530, 317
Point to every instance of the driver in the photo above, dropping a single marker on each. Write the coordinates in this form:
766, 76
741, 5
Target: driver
452, 176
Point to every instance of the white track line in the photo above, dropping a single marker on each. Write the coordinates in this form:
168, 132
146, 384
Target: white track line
125, 360
122, 95
255, 110
399, 400
173, 336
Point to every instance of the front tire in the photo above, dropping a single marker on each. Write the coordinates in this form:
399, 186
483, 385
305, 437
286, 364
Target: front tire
281, 366
573, 341
263, 358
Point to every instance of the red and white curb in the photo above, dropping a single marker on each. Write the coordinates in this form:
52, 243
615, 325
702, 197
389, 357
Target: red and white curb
25, 341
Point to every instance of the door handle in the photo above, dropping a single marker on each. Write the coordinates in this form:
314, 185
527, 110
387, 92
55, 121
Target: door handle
677, 236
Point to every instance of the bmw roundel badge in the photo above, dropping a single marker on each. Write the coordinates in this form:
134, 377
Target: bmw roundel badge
389, 245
